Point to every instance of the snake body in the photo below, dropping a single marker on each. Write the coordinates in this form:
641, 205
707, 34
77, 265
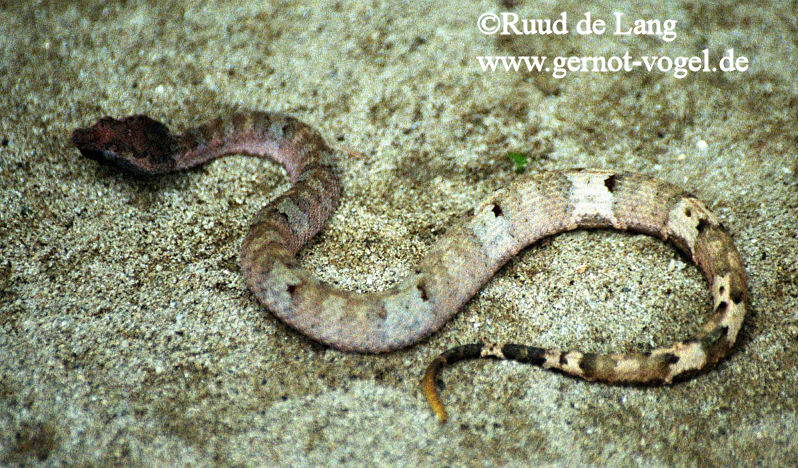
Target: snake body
533, 207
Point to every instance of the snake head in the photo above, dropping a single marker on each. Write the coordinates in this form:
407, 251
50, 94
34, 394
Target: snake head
137, 144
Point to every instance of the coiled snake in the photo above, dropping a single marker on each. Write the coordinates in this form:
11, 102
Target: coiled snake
460, 262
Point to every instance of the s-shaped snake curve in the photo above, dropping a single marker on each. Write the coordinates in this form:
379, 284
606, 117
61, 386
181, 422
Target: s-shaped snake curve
458, 264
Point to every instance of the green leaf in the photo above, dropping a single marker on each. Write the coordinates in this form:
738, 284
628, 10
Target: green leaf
519, 159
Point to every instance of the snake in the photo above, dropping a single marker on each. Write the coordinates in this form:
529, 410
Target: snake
532, 207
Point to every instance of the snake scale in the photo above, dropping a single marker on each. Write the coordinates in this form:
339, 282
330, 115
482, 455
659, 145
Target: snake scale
458, 264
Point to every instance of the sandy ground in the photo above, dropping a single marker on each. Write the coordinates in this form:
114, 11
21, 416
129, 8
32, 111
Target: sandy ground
127, 335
